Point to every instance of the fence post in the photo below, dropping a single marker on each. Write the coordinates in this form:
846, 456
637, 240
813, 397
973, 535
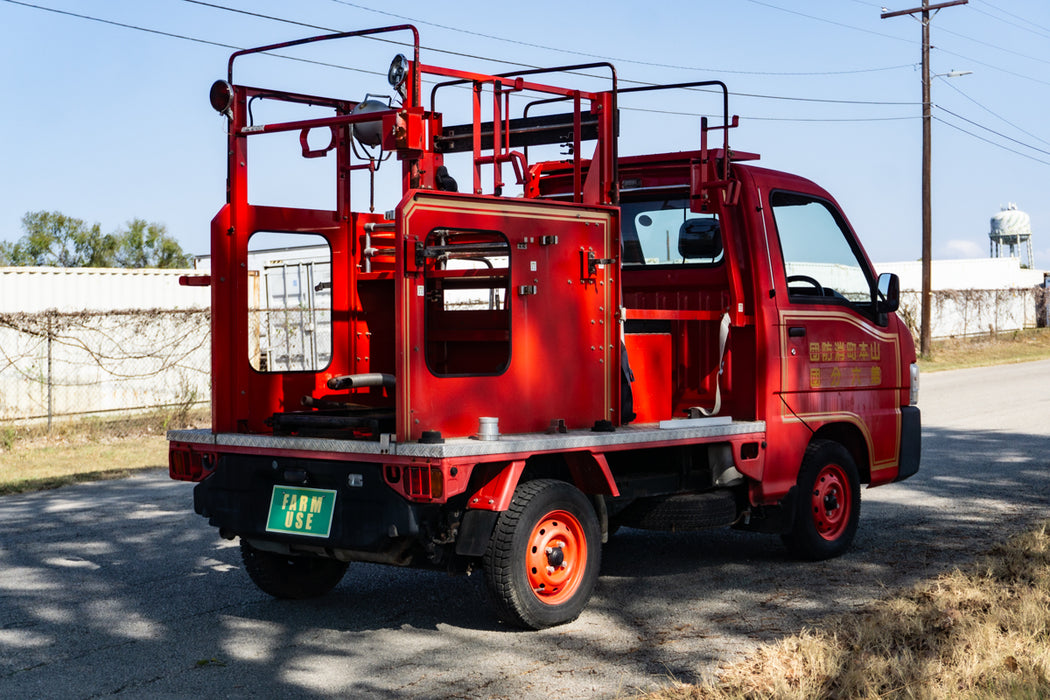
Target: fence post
50, 378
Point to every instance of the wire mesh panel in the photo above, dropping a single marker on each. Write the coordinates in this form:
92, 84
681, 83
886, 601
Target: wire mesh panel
65, 364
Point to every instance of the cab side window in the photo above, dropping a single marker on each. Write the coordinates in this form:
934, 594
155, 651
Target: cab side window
821, 261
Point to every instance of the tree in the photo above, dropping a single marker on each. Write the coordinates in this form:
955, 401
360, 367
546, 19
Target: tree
53, 239
148, 245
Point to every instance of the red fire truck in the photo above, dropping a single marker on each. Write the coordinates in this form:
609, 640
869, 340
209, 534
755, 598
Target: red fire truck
499, 374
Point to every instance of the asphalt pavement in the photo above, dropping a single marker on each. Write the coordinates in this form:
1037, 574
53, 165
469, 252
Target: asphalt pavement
117, 588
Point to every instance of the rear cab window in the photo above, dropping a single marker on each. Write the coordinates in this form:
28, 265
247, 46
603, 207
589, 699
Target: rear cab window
665, 232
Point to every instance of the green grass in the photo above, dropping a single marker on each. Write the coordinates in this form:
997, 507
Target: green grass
986, 350
33, 458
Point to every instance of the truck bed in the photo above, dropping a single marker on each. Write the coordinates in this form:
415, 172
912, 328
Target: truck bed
669, 431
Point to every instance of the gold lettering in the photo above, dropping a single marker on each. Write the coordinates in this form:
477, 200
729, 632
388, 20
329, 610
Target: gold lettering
876, 351
855, 376
814, 378
851, 351
876, 375
864, 355
836, 376
827, 352
814, 352
840, 351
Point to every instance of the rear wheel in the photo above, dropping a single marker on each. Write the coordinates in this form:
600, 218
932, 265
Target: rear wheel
828, 507
542, 561
286, 576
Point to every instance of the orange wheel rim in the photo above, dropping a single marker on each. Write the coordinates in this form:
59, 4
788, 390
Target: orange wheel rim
831, 502
556, 557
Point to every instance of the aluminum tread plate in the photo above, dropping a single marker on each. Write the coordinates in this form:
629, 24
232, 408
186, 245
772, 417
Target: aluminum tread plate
469, 447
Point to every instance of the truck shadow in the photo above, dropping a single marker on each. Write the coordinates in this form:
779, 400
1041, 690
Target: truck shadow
126, 568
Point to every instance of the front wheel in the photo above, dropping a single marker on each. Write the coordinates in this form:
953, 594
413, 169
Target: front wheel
542, 561
828, 508
286, 576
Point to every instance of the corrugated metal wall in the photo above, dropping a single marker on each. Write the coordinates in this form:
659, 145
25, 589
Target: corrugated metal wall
34, 289
88, 340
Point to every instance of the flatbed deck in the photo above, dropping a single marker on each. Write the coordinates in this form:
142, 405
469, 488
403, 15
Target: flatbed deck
669, 431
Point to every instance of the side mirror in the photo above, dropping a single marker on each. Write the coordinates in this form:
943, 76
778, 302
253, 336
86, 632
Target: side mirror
889, 295
700, 238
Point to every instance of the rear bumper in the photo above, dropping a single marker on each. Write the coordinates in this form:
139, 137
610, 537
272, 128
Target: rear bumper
368, 515
911, 442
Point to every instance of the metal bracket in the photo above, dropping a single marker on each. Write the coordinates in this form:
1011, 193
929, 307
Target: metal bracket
589, 264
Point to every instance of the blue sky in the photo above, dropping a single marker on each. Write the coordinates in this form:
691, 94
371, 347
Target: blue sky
109, 123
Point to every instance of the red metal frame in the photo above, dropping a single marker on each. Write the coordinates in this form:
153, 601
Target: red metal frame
567, 294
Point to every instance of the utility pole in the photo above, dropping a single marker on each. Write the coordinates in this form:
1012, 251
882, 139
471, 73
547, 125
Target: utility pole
927, 213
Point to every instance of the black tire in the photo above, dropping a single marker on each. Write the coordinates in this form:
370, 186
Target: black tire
828, 507
543, 558
295, 577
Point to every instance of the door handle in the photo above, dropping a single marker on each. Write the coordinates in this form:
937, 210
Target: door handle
797, 332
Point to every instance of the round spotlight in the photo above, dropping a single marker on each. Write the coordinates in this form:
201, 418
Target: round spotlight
398, 70
221, 97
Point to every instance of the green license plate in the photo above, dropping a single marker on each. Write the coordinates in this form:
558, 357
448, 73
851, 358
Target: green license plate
301, 511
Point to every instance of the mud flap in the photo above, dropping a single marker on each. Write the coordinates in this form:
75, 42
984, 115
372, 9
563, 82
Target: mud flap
475, 531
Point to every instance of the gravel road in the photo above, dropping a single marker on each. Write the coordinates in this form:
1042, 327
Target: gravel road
116, 588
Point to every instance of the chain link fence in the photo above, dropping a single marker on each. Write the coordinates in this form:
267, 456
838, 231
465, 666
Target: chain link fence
64, 364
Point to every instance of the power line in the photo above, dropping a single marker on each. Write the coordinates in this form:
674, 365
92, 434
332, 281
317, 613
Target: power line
611, 59
1010, 14
889, 36
994, 114
184, 37
992, 131
993, 67
994, 46
1012, 24
368, 72
826, 20
125, 26
997, 145
674, 113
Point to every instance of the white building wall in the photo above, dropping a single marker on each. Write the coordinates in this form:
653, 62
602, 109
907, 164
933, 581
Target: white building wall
982, 273
972, 297
86, 340
35, 289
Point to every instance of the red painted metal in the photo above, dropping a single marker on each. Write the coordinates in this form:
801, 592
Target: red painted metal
555, 580
562, 306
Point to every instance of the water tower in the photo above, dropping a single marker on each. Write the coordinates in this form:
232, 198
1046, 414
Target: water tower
1011, 228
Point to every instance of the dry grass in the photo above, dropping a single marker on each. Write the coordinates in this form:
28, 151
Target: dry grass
32, 458
979, 633
985, 350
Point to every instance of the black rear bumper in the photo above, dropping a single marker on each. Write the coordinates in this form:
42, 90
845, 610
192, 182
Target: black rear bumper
368, 515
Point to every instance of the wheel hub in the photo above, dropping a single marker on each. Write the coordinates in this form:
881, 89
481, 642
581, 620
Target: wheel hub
555, 556
831, 502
